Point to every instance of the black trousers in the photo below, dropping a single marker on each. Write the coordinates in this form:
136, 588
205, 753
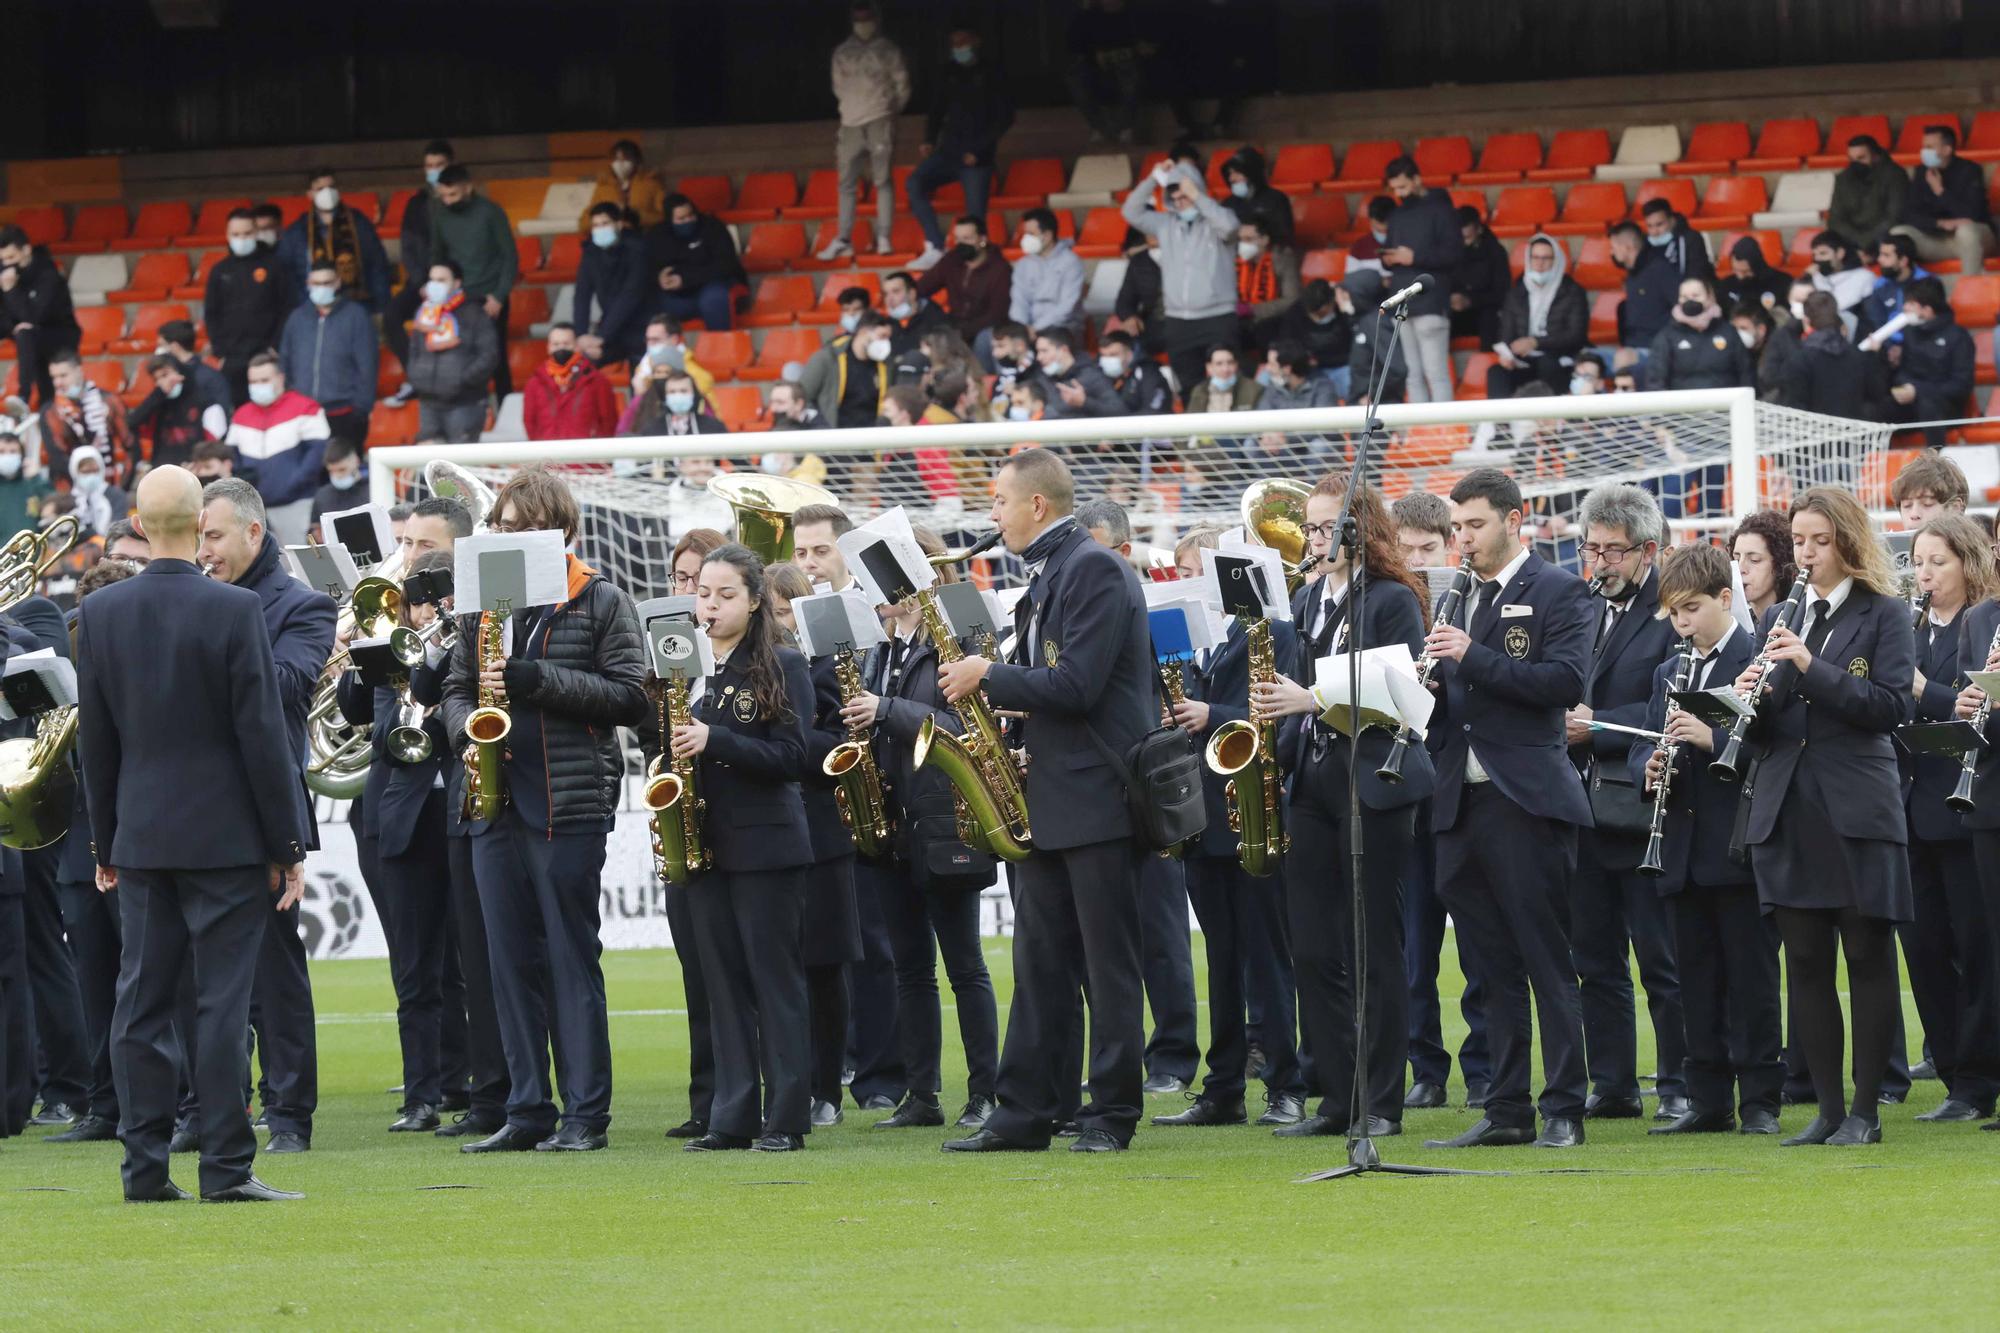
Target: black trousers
210, 923
418, 881
90, 919
403, 307
540, 895
1243, 931
1167, 958
1614, 911
1423, 946
928, 915
1189, 341
1951, 949
873, 1044
748, 925
60, 1030
17, 1027
281, 1014
1502, 872
1319, 896
1076, 914
32, 350
485, 1059
828, 1002
694, 986
1729, 991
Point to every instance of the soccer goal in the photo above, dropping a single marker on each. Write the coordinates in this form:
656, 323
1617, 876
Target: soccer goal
1712, 456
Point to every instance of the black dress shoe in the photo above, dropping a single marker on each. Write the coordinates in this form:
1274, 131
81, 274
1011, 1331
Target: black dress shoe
167, 1193
53, 1113
914, 1113
1720, 1122
1281, 1108
1612, 1108
1672, 1107
1819, 1131
1424, 1096
977, 1109
456, 1099
286, 1141
263, 1120
715, 1142
779, 1143
469, 1126
985, 1140
1924, 1069
508, 1138
1560, 1133
252, 1190
1096, 1140
688, 1129
1992, 1126
90, 1129
573, 1137
184, 1140
1160, 1085
1203, 1111
1758, 1122
1311, 1127
879, 1102
1476, 1093
1854, 1131
1068, 1129
825, 1115
1891, 1098
415, 1120
1952, 1109
1381, 1127
1485, 1134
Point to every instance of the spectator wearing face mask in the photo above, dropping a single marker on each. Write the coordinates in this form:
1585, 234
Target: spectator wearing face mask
1747, 278
245, 302
846, 383
1267, 277
35, 309
1136, 380
1252, 197
1484, 278
1423, 239
329, 354
970, 111
1932, 378
343, 476
99, 503
177, 340
415, 256
211, 460
1837, 269
1366, 252
1073, 387
1698, 349
1829, 374
331, 232
80, 414
454, 350
1589, 375
472, 232
912, 315
1945, 211
1047, 290
1013, 355
21, 491
279, 438
1027, 400
696, 268
1669, 233
628, 183
1358, 295
854, 302
568, 398
790, 408
1868, 192
1754, 327
1141, 303
976, 279
1316, 322
1197, 259
270, 222
1224, 388
1650, 284
612, 287
872, 85
1896, 261
1544, 323
667, 349
671, 406
174, 417
1289, 382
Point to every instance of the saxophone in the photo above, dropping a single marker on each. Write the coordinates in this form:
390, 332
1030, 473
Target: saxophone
486, 730
1245, 752
992, 805
858, 787
678, 854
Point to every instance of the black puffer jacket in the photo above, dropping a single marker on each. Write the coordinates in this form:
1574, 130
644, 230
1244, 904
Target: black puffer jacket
589, 681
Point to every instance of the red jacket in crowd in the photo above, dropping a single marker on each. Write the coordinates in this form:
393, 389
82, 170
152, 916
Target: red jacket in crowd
572, 402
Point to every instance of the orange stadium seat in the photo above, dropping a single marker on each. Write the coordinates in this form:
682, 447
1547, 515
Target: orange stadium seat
146, 321
1217, 186
1982, 145
1677, 191
821, 199
780, 346
99, 324
862, 239
1593, 267
396, 424
1976, 300
1472, 383
528, 252
1590, 207
1319, 219
152, 279
524, 358
1362, 168
1910, 139
388, 373
1442, 157
1503, 158
764, 193
1983, 370
1784, 145
1604, 316
1301, 168
564, 258
1473, 199
197, 288
156, 226
45, 225
95, 228
368, 204
737, 405
391, 223
711, 194
722, 354
1328, 264
1574, 155
1523, 210
208, 228
1834, 154
1103, 234
1030, 182
526, 307
108, 375
290, 208
1713, 146
906, 238
1769, 242
141, 385
779, 301
774, 246
828, 309
1731, 201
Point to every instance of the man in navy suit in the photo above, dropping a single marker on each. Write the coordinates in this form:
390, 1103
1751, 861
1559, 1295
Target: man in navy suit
17, 1001
1084, 679
178, 693
1508, 804
1614, 910
237, 547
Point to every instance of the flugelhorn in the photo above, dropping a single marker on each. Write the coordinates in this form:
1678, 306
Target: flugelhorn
1728, 766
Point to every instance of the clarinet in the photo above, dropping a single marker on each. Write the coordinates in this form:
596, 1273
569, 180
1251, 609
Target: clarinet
1653, 866
1728, 766
1447, 608
1920, 608
1961, 795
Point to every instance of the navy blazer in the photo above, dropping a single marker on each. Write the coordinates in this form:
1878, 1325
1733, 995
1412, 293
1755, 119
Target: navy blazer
1839, 716
824, 732
427, 688
1090, 662
749, 774
1933, 776
1394, 616
301, 625
1225, 688
922, 798
1506, 699
178, 694
1620, 684
394, 799
1976, 631
1701, 809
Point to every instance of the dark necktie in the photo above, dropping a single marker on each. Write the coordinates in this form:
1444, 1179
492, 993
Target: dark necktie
1822, 625
1482, 608
1609, 625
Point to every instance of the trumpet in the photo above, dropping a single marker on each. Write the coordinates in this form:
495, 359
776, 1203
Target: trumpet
410, 646
1447, 611
1653, 866
1968, 763
1728, 766
858, 787
671, 794
487, 728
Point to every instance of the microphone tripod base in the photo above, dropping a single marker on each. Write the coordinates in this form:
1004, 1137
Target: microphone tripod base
1364, 1160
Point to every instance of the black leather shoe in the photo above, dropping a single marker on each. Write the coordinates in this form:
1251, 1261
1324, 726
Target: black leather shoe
1992, 1125
469, 1126
508, 1138
415, 1120
1952, 1109
825, 1115
1281, 1108
53, 1113
1485, 1134
1796, 1097
1717, 1123
1380, 1127
977, 1109
688, 1129
985, 1140
914, 1113
573, 1137
252, 1190
1672, 1107
167, 1193
779, 1143
714, 1142
1758, 1122
1424, 1096
1068, 1129
1476, 1094
1311, 1127
1925, 1069
456, 1099
1202, 1111
1096, 1140
90, 1129
1891, 1098
184, 1140
1161, 1085
286, 1141
1560, 1133
1612, 1108
1854, 1131
263, 1120
1819, 1131
879, 1102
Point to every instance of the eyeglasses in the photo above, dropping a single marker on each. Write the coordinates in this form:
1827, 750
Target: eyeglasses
1315, 531
1614, 554
683, 582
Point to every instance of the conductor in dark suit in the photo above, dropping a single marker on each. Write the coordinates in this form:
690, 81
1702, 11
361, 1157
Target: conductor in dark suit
1508, 804
178, 693
1084, 664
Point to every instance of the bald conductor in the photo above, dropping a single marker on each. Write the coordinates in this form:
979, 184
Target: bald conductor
177, 694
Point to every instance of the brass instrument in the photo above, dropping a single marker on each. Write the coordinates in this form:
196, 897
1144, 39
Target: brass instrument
409, 741
673, 797
1274, 515
1728, 766
1246, 752
1652, 866
858, 787
764, 507
411, 645
29, 555
984, 773
1447, 611
486, 729
1968, 763
37, 785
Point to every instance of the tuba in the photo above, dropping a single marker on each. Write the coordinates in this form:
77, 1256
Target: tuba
858, 787
671, 794
37, 785
764, 507
1274, 515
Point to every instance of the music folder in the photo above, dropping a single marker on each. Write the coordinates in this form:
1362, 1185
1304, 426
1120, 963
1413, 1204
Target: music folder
1250, 581
831, 621
967, 611
364, 531
1949, 739
330, 569
1390, 696
885, 559
379, 667
678, 648
517, 569
1719, 707
36, 682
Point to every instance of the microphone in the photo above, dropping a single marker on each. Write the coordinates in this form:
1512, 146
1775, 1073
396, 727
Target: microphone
1423, 283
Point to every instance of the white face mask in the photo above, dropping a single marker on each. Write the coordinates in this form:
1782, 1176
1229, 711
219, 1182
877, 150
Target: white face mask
89, 483
1017, 413
1798, 309
1247, 251
1541, 279
621, 169
1241, 189
343, 482
267, 236
1581, 384
10, 465
437, 293
179, 387
322, 296
902, 311
431, 175
264, 394
680, 403
1932, 159
1748, 336
243, 246
1054, 369
604, 237
1032, 244
878, 350
1381, 234
326, 199
849, 321
1112, 366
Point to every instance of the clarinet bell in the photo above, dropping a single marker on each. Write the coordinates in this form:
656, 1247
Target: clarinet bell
1653, 867
1961, 795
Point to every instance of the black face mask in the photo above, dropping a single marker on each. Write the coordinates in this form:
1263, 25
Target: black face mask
1828, 267
562, 355
965, 254
1692, 308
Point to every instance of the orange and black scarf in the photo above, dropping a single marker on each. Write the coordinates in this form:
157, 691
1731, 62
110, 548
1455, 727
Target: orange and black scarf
563, 374
1257, 281
337, 245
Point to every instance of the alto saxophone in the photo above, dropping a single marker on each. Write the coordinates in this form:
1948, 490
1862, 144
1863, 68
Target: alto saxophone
487, 728
858, 787
992, 805
671, 794
1246, 752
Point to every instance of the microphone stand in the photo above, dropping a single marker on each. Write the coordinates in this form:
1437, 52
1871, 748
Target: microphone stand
1362, 1156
